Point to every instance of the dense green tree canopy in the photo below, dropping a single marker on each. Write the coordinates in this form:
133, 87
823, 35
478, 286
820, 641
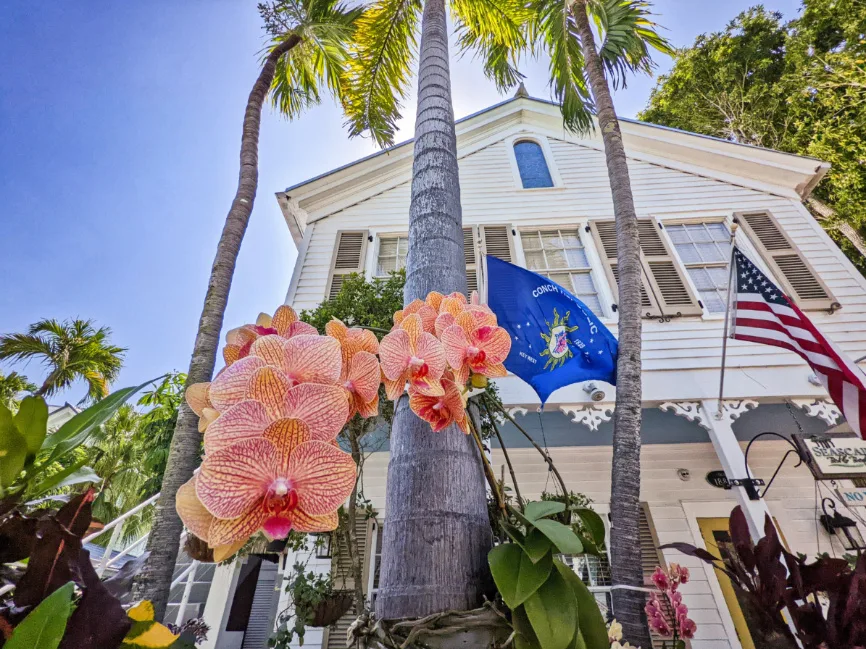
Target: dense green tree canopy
798, 87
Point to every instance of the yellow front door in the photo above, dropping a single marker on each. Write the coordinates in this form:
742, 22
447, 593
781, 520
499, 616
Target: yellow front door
717, 538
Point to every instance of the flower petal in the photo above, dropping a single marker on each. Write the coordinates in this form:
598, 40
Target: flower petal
434, 299
395, 352
452, 305
208, 416
365, 339
443, 321
493, 370
394, 389
271, 349
197, 397
277, 527
368, 409
286, 434
231, 353
495, 342
323, 408
431, 410
313, 359
337, 329
430, 349
244, 420
230, 387
364, 375
323, 476
303, 522
454, 344
413, 325
233, 481
195, 517
241, 335
264, 320
427, 385
236, 530
223, 552
269, 386
301, 329
283, 318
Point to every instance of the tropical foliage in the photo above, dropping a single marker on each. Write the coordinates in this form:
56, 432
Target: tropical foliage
797, 86
70, 350
11, 387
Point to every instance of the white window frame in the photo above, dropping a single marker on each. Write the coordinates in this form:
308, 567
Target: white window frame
543, 142
373, 261
602, 291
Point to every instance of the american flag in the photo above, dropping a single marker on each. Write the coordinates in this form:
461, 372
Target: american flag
764, 314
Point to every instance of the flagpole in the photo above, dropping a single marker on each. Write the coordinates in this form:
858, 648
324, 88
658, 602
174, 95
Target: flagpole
727, 320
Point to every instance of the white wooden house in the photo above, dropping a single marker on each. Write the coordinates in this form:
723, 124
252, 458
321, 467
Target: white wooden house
539, 197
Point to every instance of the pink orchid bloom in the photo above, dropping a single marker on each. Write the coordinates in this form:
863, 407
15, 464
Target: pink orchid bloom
256, 484
283, 323
411, 354
479, 349
660, 578
441, 411
360, 375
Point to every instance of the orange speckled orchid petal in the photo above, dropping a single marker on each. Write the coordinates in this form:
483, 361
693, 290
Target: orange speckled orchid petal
337, 329
428, 318
286, 434
283, 318
452, 306
454, 343
244, 420
481, 316
197, 397
457, 295
368, 409
234, 480
394, 352
313, 359
461, 375
466, 321
303, 522
264, 320
430, 349
474, 298
236, 530
269, 386
271, 349
398, 317
208, 416
231, 353
427, 386
367, 340
413, 326
223, 552
323, 408
413, 307
495, 342
241, 335
364, 375
394, 389
195, 517
443, 321
323, 476
493, 370
301, 329
434, 299
230, 387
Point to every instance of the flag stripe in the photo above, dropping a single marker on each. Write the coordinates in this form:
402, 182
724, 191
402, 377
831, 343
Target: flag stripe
763, 314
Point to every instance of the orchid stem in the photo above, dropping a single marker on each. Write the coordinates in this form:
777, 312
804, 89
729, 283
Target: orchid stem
488, 470
507, 458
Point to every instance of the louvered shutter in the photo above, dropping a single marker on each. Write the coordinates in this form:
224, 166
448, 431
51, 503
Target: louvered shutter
348, 258
604, 235
650, 557
495, 240
341, 570
264, 607
798, 279
471, 257
666, 277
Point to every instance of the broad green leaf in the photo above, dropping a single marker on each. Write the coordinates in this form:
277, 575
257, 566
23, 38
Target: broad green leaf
590, 621
593, 524
552, 611
536, 545
542, 509
561, 535
13, 453
516, 576
44, 626
71, 475
32, 422
525, 637
75, 431
8, 433
520, 517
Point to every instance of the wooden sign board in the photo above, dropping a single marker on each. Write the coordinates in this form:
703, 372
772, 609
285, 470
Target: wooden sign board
833, 456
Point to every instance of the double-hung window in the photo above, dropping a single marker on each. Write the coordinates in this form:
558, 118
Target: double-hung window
392, 255
705, 250
561, 256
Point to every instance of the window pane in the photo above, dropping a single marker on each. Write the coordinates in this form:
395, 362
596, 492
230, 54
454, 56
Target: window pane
583, 283
532, 165
563, 280
719, 232
576, 258
710, 252
556, 259
701, 278
678, 233
530, 240
592, 302
388, 248
535, 261
403, 246
551, 240
386, 265
571, 240
719, 276
401, 261
688, 253
713, 301
698, 232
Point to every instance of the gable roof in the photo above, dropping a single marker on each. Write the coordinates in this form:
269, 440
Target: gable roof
762, 169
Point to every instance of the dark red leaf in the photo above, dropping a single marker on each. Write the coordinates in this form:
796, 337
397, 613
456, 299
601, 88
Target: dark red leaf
691, 550
742, 538
17, 536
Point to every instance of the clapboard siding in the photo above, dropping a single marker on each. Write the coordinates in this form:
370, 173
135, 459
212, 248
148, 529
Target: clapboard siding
489, 195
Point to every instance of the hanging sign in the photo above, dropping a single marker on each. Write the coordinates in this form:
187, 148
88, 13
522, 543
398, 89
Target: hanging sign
853, 497
833, 455
718, 479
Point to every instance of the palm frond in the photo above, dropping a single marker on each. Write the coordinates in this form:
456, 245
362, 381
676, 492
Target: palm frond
379, 69
21, 347
627, 34
553, 29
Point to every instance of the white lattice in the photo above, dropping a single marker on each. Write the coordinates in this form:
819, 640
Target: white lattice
733, 408
821, 408
517, 410
691, 410
591, 416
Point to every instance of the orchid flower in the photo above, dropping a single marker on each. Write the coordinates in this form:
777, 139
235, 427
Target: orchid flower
284, 322
479, 349
360, 375
411, 354
423, 309
443, 410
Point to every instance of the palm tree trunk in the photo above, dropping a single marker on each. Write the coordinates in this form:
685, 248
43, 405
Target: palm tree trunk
154, 581
437, 532
625, 476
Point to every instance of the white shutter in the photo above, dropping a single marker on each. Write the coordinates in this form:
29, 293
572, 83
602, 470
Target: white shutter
341, 571
261, 623
495, 240
471, 256
799, 280
349, 250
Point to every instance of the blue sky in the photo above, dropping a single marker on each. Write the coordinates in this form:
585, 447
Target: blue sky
119, 136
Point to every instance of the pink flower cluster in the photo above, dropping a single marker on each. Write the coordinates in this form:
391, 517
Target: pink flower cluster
678, 625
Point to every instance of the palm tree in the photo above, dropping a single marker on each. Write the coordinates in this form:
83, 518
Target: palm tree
11, 385
578, 72
71, 350
306, 53
435, 502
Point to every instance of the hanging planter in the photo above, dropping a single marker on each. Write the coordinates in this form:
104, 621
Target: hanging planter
331, 608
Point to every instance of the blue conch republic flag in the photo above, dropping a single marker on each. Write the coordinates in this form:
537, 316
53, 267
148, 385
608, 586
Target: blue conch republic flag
556, 340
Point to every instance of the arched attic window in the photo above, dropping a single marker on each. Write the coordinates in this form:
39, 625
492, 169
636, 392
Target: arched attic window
532, 164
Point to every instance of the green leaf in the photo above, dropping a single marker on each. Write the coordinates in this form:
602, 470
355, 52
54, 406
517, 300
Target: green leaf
32, 422
44, 626
593, 523
520, 517
525, 638
542, 509
552, 611
590, 621
536, 545
13, 454
561, 535
75, 431
75, 474
516, 576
